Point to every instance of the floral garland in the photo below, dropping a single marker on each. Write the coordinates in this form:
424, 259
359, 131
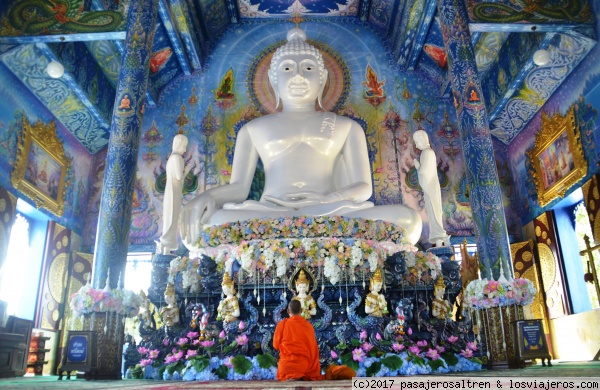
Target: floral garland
485, 294
419, 263
188, 268
90, 300
310, 227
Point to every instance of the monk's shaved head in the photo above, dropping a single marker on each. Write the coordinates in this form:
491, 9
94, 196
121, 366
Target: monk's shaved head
295, 307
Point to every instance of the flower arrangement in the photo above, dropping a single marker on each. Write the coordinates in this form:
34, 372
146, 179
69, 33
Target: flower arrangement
90, 300
485, 294
421, 265
286, 227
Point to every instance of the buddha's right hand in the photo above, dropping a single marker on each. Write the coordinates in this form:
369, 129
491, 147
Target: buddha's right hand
194, 215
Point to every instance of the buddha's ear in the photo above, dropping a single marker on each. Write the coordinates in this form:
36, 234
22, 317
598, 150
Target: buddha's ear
273, 83
322, 88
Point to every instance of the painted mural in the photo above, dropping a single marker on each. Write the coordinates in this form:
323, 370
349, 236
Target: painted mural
13, 106
581, 90
570, 11
211, 106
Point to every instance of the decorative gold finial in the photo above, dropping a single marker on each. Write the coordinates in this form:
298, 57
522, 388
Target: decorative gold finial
439, 283
170, 290
377, 276
302, 278
227, 281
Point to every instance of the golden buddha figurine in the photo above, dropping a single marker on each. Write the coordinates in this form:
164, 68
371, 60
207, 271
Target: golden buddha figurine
146, 312
170, 313
375, 303
229, 308
439, 307
309, 306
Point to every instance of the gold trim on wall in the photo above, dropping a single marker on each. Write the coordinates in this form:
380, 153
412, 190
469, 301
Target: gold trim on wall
550, 185
44, 190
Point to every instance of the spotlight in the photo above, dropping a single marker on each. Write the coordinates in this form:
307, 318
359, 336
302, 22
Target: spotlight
541, 57
55, 69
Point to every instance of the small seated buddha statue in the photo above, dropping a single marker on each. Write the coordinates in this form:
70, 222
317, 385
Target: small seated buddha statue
146, 313
375, 303
309, 306
440, 308
229, 307
170, 313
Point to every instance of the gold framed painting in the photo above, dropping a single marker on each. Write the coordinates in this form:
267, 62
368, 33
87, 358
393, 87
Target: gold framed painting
41, 166
557, 156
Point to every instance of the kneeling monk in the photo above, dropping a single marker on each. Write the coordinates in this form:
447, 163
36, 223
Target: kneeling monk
297, 345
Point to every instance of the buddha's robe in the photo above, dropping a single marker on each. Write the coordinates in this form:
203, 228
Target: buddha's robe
298, 351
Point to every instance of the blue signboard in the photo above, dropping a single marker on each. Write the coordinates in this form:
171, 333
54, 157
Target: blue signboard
77, 349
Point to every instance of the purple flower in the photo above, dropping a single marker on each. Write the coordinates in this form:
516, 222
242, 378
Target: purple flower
192, 335
472, 345
191, 353
409, 331
179, 355
171, 359
358, 355
334, 355
367, 347
398, 347
452, 339
414, 349
222, 334
242, 326
440, 349
241, 340
182, 341
145, 362
142, 350
153, 354
422, 343
363, 335
466, 353
377, 336
227, 362
166, 341
207, 343
432, 354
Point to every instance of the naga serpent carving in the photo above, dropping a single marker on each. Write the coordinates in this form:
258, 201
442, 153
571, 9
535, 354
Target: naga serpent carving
40, 16
532, 11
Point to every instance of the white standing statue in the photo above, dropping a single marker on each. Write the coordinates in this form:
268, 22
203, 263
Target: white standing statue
173, 195
432, 193
316, 163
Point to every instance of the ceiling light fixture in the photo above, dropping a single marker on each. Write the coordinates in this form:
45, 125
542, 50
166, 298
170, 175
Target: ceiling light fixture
55, 69
541, 57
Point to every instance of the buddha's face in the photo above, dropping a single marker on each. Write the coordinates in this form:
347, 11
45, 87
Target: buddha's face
298, 78
302, 288
227, 289
170, 299
376, 286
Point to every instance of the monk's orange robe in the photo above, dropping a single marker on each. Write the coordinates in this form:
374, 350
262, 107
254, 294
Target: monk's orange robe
298, 351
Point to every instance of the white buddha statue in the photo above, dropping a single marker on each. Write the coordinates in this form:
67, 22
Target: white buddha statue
432, 193
316, 163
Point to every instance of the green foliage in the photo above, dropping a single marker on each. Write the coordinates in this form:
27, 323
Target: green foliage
178, 366
373, 369
137, 372
392, 362
222, 371
385, 343
200, 363
241, 365
348, 361
416, 359
230, 347
476, 360
435, 364
356, 343
266, 360
161, 371
450, 359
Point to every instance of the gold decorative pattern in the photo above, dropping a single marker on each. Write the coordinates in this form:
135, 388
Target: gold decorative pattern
56, 277
548, 266
591, 195
46, 138
552, 128
543, 219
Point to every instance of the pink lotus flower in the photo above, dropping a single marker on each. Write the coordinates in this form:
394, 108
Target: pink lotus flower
191, 353
153, 354
472, 345
227, 362
414, 349
452, 339
367, 347
142, 350
192, 335
440, 349
358, 355
377, 336
166, 341
398, 347
196, 342
363, 335
242, 326
182, 341
179, 355
242, 340
432, 354
222, 335
171, 359
422, 343
207, 343
409, 331
334, 355
145, 362
466, 353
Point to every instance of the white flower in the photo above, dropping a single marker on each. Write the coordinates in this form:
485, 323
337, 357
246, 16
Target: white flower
331, 270
281, 263
356, 255
411, 259
373, 261
269, 258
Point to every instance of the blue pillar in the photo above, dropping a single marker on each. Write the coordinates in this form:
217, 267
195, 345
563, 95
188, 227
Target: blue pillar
482, 176
112, 237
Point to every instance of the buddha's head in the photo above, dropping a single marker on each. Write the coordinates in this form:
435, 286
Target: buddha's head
297, 73
302, 283
170, 296
439, 288
180, 143
228, 284
376, 281
421, 139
